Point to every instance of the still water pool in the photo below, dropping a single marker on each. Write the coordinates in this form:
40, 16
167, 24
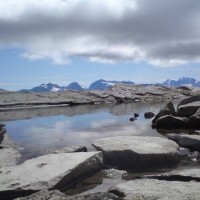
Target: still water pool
38, 130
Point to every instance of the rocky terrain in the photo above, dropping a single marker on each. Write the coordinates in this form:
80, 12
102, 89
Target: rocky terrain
136, 167
117, 94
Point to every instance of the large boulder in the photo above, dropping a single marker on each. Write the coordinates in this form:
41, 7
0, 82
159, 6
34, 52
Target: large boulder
171, 122
138, 153
54, 171
161, 114
189, 100
145, 189
167, 109
188, 109
191, 142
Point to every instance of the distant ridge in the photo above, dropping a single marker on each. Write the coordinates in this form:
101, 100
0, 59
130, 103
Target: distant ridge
103, 84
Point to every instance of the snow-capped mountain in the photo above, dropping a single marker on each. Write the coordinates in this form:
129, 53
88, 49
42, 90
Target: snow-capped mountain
183, 81
103, 84
51, 87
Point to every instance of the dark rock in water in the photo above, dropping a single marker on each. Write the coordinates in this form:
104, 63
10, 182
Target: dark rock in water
191, 142
189, 109
138, 153
131, 119
149, 115
171, 122
161, 114
146, 189
54, 171
57, 195
136, 115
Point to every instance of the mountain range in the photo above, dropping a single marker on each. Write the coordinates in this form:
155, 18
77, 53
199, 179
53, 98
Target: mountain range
51, 87
104, 84
183, 81
97, 85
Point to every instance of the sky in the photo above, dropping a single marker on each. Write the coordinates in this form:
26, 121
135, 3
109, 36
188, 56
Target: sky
61, 41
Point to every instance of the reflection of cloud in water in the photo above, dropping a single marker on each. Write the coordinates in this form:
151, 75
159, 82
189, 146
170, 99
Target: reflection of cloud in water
98, 124
61, 135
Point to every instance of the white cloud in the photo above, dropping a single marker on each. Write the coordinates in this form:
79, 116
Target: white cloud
159, 31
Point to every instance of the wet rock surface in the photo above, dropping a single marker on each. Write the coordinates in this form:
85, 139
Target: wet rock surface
185, 175
191, 142
54, 171
156, 189
138, 153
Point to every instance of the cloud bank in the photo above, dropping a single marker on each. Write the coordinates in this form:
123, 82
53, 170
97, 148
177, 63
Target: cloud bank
160, 32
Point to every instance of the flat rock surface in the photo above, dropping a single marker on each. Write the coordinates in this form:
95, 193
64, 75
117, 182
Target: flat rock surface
57, 171
138, 152
187, 141
158, 190
138, 144
56, 195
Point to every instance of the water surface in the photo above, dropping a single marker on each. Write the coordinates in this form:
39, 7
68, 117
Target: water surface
37, 130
